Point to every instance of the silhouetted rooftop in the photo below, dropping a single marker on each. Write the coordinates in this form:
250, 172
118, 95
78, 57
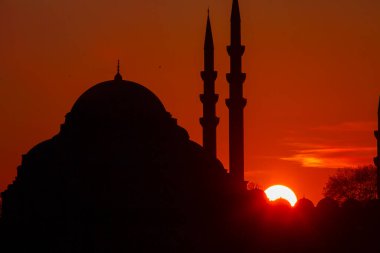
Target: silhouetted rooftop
304, 203
327, 204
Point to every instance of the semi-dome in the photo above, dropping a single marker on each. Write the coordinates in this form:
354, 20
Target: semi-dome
327, 204
304, 204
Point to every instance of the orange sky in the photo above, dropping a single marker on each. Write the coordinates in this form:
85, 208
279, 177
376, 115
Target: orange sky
313, 75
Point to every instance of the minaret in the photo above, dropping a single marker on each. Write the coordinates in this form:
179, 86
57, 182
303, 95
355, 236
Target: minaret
209, 121
236, 102
377, 158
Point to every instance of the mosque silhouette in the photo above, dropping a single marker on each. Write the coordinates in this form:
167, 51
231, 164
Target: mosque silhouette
122, 176
120, 169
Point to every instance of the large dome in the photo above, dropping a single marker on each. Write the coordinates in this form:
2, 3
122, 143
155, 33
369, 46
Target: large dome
117, 101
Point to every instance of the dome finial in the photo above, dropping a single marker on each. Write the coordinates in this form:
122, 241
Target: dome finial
118, 77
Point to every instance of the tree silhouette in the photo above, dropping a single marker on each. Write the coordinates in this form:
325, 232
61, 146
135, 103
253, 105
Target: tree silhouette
352, 183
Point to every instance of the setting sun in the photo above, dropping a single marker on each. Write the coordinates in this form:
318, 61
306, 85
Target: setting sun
279, 191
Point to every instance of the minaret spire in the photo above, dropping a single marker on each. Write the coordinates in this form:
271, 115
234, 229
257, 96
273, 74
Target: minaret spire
377, 158
118, 77
209, 41
235, 13
236, 102
209, 121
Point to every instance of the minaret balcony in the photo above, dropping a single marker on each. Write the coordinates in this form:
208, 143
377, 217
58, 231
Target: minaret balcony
236, 50
209, 76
